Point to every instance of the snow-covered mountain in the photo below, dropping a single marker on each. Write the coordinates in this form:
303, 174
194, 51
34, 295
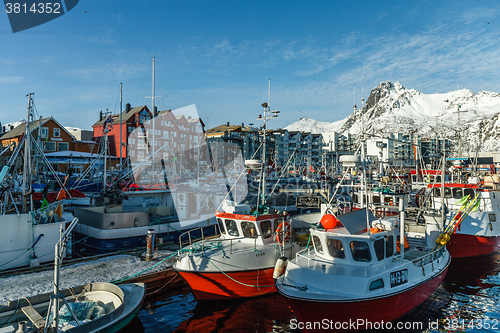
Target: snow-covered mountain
391, 108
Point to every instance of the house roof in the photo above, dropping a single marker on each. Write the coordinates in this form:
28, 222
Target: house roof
126, 115
223, 128
19, 130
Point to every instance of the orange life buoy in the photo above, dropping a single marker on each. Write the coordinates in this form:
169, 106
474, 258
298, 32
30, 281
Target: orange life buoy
283, 228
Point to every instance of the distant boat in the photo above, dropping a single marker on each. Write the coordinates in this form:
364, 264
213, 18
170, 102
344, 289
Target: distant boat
111, 228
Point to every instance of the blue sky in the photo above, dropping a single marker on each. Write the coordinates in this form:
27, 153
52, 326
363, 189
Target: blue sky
220, 54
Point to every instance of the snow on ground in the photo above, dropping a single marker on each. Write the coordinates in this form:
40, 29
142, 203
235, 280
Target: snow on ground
101, 270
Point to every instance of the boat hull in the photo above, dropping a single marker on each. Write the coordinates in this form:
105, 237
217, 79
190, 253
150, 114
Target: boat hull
356, 315
86, 244
466, 246
230, 285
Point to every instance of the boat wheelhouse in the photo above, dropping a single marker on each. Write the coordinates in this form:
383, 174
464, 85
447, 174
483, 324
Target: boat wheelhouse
352, 273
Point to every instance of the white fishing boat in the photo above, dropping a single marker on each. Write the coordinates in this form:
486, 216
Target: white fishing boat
354, 274
101, 307
27, 235
240, 262
96, 307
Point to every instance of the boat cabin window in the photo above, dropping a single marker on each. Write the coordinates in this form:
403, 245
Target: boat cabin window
221, 226
360, 251
265, 227
335, 248
447, 192
376, 199
317, 244
355, 198
277, 222
248, 229
379, 248
384, 246
469, 191
232, 228
389, 246
437, 192
457, 193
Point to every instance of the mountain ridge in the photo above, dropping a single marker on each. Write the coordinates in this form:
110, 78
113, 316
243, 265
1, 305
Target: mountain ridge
391, 108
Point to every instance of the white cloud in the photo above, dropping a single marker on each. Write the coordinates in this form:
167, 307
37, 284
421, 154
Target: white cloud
11, 79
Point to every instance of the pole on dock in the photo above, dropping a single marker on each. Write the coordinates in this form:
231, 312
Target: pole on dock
149, 244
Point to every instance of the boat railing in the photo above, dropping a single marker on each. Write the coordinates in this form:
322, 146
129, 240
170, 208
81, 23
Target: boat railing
203, 230
485, 203
207, 241
47, 214
428, 258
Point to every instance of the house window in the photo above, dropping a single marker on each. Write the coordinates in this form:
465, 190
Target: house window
63, 146
50, 146
57, 132
144, 117
44, 132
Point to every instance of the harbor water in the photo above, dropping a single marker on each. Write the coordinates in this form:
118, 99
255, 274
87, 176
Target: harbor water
467, 301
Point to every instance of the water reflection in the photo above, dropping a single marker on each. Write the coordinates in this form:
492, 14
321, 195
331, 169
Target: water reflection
263, 314
475, 287
470, 293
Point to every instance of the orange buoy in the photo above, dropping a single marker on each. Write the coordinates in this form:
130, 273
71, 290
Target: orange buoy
283, 228
328, 221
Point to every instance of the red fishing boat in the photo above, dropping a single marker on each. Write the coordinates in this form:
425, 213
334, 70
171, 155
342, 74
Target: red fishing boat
240, 262
478, 233
355, 278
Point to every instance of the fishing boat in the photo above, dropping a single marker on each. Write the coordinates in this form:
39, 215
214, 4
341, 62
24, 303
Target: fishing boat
111, 228
353, 277
478, 232
99, 307
240, 262
95, 307
27, 235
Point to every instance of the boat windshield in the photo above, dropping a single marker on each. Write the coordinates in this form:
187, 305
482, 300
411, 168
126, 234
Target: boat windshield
317, 244
335, 248
360, 251
232, 228
248, 229
221, 226
265, 227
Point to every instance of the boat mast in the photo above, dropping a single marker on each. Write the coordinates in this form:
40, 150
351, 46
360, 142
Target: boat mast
267, 115
153, 108
121, 125
27, 161
363, 155
442, 184
105, 151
